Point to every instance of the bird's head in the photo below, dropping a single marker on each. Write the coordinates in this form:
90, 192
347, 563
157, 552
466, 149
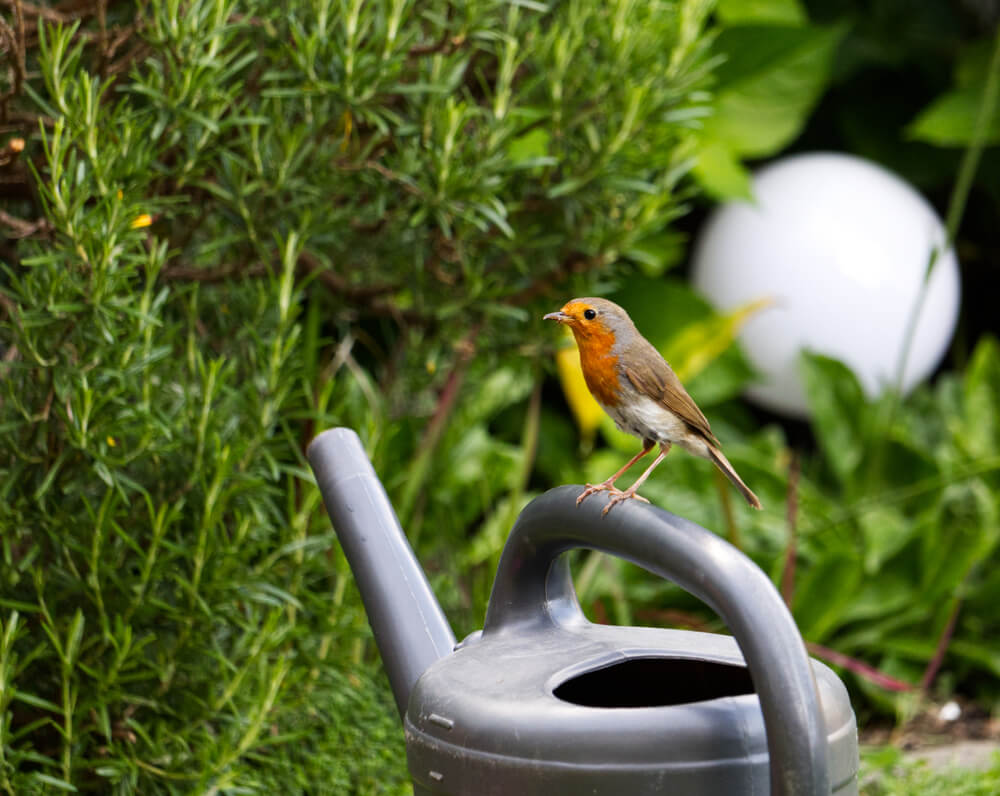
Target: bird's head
594, 321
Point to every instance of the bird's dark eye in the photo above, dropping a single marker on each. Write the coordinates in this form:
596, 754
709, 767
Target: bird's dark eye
590, 314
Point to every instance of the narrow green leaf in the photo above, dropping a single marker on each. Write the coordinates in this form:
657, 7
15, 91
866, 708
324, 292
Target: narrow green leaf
735, 12
54, 782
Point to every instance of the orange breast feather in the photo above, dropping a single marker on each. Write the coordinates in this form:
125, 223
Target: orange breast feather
600, 366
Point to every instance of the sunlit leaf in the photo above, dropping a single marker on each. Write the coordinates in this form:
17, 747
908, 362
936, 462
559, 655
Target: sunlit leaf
700, 343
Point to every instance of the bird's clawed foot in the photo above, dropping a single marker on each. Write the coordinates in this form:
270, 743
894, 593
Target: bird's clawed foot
617, 496
593, 489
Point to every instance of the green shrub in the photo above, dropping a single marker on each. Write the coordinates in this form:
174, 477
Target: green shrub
238, 223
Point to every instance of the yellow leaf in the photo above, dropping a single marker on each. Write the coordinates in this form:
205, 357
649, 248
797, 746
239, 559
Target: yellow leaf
699, 344
586, 411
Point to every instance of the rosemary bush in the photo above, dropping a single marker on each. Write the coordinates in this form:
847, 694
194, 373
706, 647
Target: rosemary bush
231, 224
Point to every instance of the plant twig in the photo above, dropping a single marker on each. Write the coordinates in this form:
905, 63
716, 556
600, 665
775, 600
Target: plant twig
420, 467
446, 44
858, 667
725, 498
934, 665
43, 12
14, 43
221, 273
792, 514
341, 286
574, 264
22, 228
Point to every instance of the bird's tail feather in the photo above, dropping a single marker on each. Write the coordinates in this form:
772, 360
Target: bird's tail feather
727, 469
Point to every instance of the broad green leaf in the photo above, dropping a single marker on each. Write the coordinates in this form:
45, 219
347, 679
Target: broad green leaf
959, 536
983, 653
656, 253
885, 531
725, 378
734, 12
950, 120
903, 462
718, 170
981, 400
838, 411
530, 146
772, 78
917, 648
495, 390
824, 595
880, 596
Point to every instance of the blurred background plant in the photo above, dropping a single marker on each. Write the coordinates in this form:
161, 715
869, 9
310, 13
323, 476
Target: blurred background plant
232, 224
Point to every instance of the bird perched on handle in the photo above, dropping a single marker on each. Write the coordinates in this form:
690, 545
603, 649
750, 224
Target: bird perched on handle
641, 393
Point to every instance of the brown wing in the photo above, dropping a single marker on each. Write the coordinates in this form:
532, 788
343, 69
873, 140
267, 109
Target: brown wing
656, 379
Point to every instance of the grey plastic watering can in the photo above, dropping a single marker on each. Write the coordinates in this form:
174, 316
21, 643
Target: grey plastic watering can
542, 702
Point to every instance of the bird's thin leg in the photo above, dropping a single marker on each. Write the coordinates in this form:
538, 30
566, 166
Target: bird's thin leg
618, 497
591, 489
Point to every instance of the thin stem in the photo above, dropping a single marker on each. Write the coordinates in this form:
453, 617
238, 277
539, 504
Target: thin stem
723, 487
420, 468
934, 665
858, 667
791, 552
959, 195
953, 219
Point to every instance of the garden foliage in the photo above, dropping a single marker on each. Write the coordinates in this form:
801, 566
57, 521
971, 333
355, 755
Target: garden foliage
233, 224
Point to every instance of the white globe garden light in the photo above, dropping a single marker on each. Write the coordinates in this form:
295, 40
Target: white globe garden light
841, 246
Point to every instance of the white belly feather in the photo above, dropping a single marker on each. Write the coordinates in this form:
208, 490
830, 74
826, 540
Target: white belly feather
648, 419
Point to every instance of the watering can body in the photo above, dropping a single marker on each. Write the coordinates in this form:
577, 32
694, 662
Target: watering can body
542, 701
606, 711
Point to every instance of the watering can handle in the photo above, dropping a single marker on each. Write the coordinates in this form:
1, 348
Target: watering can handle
533, 584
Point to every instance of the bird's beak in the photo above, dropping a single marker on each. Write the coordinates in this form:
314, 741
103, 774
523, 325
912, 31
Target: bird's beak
559, 317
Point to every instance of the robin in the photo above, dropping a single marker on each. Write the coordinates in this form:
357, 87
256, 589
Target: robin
641, 393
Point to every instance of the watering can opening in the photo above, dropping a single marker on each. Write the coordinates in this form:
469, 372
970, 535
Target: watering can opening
655, 682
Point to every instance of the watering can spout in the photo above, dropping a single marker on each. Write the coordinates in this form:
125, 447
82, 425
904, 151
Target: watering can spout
408, 624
